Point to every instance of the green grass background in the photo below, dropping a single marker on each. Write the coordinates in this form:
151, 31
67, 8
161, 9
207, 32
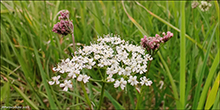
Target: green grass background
29, 51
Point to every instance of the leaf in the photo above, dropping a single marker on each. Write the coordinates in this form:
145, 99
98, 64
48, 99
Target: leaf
43, 76
4, 91
212, 95
136, 24
209, 80
198, 87
114, 102
26, 98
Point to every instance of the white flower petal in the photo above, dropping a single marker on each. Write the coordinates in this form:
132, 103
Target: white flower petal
51, 82
62, 85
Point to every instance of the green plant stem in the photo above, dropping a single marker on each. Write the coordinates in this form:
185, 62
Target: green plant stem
139, 98
171, 80
85, 94
94, 80
74, 47
182, 56
148, 68
102, 96
100, 73
217, 32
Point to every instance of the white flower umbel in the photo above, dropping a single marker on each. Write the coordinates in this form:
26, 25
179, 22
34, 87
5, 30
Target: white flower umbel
122, 83
123, 62
204, 6
66, 85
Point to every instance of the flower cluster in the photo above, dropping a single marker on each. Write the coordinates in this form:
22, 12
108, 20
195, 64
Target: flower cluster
194, 4
204, 6
64, 14
124, 63
64, 27
153, 43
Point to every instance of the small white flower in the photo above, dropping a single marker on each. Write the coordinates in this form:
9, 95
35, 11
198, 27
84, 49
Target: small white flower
51, 82
142, 69
127, 71
80, 66
148, 57
83, 78
85, 60
145, 81
67, 60
120, 70
134, 54
204, 6
112, 70
119, 49
72, 75
122, 83
133, 80
55, 79
101, 63
66, 85
110, 79
114, 62
127, 61
134, 66
87, 50
96, 57
55, 69
91, 62
139, 59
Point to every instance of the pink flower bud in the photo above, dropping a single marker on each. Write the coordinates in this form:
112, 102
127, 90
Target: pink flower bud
153, 43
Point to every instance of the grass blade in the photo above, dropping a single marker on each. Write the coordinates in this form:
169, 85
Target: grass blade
217, 32
198, 87
114, 102
209, 80
132, 19
50, 98
217, 102
212, 94
5, 90
174, 88
26, 98
182, 56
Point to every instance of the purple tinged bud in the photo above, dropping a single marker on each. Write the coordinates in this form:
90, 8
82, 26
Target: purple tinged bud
64, 15
63, 27
153, 43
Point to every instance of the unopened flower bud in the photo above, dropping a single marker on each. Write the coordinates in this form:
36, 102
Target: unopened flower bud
153, 43
64, 15
63, 27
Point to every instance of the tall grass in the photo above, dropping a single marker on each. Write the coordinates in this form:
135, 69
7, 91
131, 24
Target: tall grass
182, 56
189, 61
